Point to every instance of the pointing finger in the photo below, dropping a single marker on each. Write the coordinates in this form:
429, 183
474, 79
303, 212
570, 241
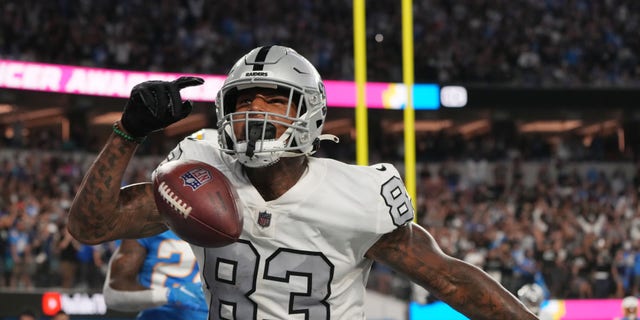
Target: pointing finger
184, 82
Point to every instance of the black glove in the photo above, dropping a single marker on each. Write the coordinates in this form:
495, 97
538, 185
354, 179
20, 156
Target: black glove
153, 105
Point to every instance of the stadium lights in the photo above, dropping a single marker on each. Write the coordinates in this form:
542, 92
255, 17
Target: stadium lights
604, 126
453, 96
106, 118
47, 113
422, 126
472, 128
550, 126
6, 108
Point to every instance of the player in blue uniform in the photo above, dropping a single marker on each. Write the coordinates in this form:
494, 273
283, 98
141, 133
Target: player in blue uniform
157, 276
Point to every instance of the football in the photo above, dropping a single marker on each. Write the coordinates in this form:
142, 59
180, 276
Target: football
198, 203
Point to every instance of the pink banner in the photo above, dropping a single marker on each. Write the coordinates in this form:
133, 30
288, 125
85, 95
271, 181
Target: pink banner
590, 309
92, 81
118, 83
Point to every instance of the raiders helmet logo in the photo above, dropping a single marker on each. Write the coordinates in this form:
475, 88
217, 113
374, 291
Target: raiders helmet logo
256, 74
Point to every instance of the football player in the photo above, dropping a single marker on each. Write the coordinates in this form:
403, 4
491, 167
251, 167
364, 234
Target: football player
312, 226
157, 276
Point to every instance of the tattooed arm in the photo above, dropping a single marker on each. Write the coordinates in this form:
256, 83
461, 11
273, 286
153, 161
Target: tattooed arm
101, 211
412, 251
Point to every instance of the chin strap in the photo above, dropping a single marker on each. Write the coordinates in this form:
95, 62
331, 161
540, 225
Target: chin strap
328, 136
316, 145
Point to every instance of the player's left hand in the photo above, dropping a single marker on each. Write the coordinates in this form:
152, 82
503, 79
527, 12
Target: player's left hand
188, 296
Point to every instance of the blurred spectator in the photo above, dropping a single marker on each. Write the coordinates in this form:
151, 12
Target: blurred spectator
60, 315
27, 315
89, 262
7, 219
381, 279
67, 251
21, 257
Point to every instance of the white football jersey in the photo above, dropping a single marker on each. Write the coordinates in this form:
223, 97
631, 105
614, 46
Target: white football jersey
301, 256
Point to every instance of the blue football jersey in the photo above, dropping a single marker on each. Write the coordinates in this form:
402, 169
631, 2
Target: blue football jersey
169, 263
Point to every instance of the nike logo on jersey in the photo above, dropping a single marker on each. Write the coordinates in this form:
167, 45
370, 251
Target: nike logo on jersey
381, 168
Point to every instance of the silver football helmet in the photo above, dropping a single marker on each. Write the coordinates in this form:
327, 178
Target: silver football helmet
532, 295
280, 68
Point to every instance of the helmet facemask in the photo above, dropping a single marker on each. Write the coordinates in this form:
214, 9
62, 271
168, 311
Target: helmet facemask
293, 76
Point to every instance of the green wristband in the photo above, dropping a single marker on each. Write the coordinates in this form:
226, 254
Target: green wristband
124, 135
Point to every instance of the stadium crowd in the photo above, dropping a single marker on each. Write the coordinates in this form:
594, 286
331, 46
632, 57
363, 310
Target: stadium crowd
527, 42
576, 231
573, 227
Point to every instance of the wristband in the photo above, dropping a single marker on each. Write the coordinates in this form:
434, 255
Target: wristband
124, 135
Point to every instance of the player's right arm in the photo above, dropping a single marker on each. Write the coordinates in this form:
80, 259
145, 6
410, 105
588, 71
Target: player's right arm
101, 211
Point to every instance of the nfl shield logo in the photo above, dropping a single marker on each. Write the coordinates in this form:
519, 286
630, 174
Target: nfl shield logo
264, 219
196, 177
